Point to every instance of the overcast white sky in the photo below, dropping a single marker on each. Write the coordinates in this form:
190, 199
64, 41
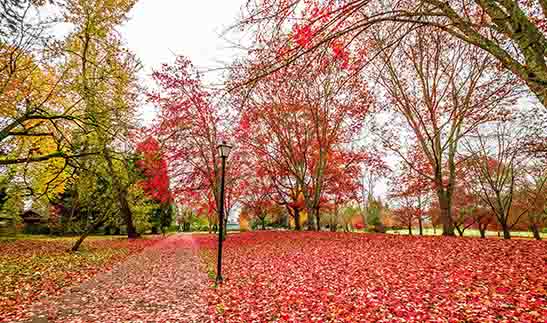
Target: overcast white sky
160, 29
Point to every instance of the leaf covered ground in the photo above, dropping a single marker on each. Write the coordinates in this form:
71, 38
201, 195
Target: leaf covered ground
278, 277
326, 277
34, 268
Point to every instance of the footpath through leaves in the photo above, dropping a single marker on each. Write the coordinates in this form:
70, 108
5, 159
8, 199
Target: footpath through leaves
326, 277
163, 283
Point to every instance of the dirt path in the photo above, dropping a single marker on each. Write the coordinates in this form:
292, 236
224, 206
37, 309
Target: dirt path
162, 284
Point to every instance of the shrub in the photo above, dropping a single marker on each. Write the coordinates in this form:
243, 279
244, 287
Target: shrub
38, 228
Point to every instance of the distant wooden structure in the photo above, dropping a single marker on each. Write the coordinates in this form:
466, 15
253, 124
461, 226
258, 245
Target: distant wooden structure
34, 222
7, 226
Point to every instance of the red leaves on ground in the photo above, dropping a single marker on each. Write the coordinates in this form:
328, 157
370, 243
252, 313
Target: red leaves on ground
33, 269
323, 277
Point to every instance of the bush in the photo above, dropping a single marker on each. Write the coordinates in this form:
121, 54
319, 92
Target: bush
38, 228
200, 228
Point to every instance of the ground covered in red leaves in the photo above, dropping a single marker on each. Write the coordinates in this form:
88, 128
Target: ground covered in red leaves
276, 277
326, 277
32, 269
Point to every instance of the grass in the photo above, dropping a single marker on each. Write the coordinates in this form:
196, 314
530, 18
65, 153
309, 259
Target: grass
467, 233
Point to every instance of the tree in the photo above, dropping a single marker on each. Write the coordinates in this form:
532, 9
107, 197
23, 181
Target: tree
104, 86
412, 189
513, 32
440, 90
531, 196
297, 118
374, 216
189, 126
496, 163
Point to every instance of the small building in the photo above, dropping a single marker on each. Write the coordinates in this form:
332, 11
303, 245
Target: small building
34, 222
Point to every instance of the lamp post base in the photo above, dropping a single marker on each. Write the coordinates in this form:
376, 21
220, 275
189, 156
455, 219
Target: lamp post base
219, 280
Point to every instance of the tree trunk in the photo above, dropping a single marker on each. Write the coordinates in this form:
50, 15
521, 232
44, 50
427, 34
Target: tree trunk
460, 231
310, 221
89, 230
482, 231
420, 225
506, 232
446, 217
297, 219
535, 231
409, 229
318, 219
121, 194
263, 220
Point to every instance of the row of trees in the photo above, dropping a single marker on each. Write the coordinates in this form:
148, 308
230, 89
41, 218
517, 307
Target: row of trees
450, 106
330, 97
319, 72
69, 141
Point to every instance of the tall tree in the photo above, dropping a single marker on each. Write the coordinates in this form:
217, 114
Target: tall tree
440, 90
298, 117
104, 83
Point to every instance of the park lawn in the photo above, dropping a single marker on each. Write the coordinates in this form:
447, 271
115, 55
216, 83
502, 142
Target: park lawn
470, 233
343, 277
32, 267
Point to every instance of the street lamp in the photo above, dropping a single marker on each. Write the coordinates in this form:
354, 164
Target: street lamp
224, 151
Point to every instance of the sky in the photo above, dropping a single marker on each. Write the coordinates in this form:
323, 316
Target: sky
160, 29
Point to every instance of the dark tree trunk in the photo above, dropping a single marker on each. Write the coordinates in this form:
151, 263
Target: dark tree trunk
482, 231
446, 216
121, 194
410, 229
297, 220
506, 232
421, 225
535, 231
310, 222
263, 220
125, 210
90, 229
318, 219
460, 231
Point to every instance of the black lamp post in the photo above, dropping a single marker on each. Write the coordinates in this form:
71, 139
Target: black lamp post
224, 151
